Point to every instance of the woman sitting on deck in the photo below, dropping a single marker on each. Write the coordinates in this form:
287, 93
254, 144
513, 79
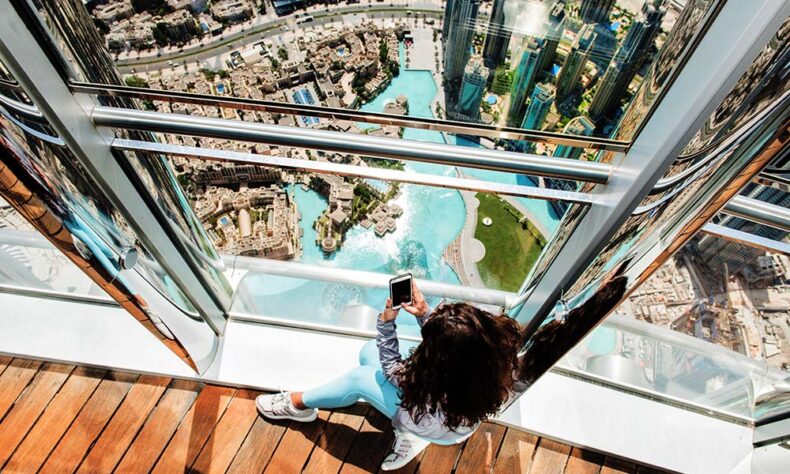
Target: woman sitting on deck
460, 374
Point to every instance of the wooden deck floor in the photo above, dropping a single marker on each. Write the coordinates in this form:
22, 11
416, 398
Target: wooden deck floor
61, 418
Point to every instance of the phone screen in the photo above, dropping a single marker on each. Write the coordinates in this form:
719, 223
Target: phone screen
400, 289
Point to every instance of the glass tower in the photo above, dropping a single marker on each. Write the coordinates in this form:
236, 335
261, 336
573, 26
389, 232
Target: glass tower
525, 76
539, 106
627, 60
576, 60
596, 11
580, 125
473, 87
553, 26
459, 31
498, 33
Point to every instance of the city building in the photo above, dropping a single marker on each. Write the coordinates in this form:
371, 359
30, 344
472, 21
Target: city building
195, 6
539, 106
498, 32
460, 30
135, 33
580, 125
232, 11
113, 11
628, 59
553, 28
596, 11
473, 87
576, 61
526, 74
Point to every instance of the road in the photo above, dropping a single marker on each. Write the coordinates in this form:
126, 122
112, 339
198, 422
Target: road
268, 27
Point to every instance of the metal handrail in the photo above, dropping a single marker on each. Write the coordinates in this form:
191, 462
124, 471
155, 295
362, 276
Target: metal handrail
355, 115
29, 111
327, 167
746, 238
366, 279
357, 144
758, 211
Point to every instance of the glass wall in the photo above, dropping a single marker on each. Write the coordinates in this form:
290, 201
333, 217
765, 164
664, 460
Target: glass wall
710, 327
558, 67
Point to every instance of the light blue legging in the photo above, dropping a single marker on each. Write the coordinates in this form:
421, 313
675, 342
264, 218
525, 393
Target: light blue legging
367, 382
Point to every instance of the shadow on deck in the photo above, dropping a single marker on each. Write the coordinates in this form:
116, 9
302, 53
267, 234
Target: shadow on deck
61, 418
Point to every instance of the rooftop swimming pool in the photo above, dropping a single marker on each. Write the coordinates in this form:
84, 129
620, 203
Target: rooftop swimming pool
303, 96
378, 185
431, 220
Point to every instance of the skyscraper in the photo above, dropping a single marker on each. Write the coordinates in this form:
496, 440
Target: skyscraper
580, 125
576, 61
539, 106
458, 32
473, 87
526, 74
498, 34
596, 11
553, 27
628, 59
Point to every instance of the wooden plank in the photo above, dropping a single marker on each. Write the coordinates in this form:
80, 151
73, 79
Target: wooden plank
227, 437
617, 466
332, 446
90, 422
14, 380
124, 425
4, 361
57, 417
194, 429
438, 459
550, 457
159, 427
296, 445
582, 461
515, 454
481, 449
259, 446
412, 466
370, 445
29, 406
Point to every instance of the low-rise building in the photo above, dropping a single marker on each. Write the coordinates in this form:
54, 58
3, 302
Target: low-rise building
232, 11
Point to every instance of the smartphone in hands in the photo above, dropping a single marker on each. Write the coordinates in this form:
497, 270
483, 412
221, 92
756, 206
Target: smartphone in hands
400, 290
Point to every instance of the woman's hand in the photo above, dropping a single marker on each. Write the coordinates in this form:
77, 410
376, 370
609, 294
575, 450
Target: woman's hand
388, 314
419, 306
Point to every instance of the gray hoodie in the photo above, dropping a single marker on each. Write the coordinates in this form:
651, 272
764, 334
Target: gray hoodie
432, 427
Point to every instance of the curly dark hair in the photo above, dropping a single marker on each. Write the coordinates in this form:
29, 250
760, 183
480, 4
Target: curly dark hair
463, 367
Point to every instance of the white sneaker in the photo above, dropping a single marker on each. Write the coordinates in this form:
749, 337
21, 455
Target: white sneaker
278, 406
407, 446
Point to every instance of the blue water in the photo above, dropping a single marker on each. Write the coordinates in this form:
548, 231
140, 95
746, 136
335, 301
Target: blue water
379, 185
221, 88
614, 26
304, 97
432, 218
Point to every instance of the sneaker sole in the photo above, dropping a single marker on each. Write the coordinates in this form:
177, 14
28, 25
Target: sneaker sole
279, 417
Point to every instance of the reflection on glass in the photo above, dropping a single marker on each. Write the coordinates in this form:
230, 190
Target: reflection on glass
339, 305
477, 61
713, 292
38, 266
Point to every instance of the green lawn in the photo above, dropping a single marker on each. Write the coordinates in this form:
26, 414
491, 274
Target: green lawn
511, 250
